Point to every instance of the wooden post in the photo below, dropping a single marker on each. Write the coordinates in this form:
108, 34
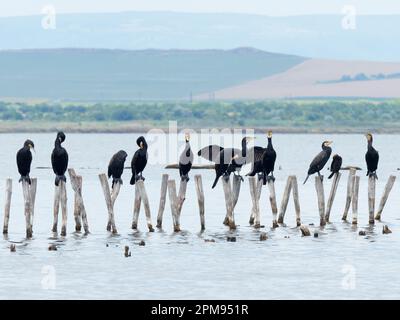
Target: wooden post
27, 206
231, 196
79, 207
296, 200
200, 199
371, 198
163, 195
173, 200
285, 200
388, 188
335, 183
354, 199
181, 198
63, 201
236, 183
7, 205
136, 208
350, 188
56, 207
145, 200
32, 190
319, 187
255, 193
110, 198
272, 200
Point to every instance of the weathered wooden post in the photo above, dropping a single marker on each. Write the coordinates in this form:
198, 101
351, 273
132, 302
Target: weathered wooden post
163, 198
79, 207
29, 193
32, 190
319, 187
371, 198
231, 194
296, 200
110, 198
141, 196
174, 201
255, 192
332, 194
272, 200
63, 201
388, 188
350, 188
56, 207
354, 198
285, 200
200, 199
7, 205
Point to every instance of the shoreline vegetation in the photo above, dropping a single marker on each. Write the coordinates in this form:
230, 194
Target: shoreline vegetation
282, 116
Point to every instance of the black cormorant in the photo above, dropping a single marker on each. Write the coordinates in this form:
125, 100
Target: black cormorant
116, 167
59, 159
139, 160
320, 160
371, 157
264, 160
335, 165
227, 160
186, 160
24, 160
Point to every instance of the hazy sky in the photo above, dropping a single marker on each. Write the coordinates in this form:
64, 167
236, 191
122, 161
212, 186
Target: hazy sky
267, 7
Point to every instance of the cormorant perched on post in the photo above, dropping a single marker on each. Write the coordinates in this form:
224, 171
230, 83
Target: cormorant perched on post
139, 160
116, 167
335, 165
320, 160
24, 160
59, 159
371, 157
186, 160
264, 161
227, 160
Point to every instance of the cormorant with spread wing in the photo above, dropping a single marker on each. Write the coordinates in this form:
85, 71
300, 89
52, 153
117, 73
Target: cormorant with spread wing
139, 160
371, 157
116, 167
186, 160
24, 160
227, 160
320, 160
335, 165
59, 159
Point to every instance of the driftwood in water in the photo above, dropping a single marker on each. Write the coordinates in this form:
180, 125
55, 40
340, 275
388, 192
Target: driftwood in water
7, 205
110, 197
354, 199
350, 188
388, 188
231, 194
163, 198
332, 194
200, 199
79, 207
319, 187
371, 198
141, 196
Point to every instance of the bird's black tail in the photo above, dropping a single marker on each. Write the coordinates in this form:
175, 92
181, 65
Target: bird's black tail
25, 178
306, 179
215, 181
115, 181
331, 175
133, 180
59, 178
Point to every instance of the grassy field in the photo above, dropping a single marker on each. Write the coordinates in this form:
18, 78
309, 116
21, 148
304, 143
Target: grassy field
281, 115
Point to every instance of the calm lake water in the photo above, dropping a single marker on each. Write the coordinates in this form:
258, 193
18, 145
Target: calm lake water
338, 264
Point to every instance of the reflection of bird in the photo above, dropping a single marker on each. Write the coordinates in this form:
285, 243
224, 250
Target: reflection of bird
371, 157
24, 160
320, 160
116, 167
186, 160
335, 165
264, 160
59, 159
227, 160
139, 160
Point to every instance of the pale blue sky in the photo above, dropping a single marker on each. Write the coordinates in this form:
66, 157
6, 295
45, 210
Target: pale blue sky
266, 7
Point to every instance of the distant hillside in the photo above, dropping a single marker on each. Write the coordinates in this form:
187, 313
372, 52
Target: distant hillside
320, 36
96, 74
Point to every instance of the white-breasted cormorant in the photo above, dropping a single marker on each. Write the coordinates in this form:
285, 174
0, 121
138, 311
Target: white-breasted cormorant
24, 160
59, 159
227, 160
139, 160
335, 165
116, 167
186, 159
320, 160
371, 157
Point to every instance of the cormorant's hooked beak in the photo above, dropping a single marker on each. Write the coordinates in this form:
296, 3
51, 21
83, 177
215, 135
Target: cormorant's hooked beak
187, 137
141, 144
328, 143
269, 134
31, 147
248, 139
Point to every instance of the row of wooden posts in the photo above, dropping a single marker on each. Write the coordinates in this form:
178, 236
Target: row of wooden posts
231, 188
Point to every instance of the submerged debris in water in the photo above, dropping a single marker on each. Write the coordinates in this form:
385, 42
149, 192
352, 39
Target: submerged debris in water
362, 233
263, 236
13, 248
209, 240
305, 231
316, 234
142, 243
231, 239
52, 247
386, 230
127, 252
